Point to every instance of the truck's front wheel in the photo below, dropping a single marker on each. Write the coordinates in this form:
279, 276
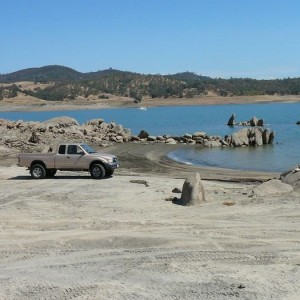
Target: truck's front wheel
97, 171
38, 171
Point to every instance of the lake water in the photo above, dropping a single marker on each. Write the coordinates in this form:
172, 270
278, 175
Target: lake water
178, 120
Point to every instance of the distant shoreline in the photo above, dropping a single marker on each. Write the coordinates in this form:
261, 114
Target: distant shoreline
23, 104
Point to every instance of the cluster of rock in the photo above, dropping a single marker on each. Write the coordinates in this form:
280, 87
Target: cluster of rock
252, 122
191, 139
255, 136
42, 136
105, 134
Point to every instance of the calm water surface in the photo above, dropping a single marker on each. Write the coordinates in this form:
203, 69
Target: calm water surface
281, 117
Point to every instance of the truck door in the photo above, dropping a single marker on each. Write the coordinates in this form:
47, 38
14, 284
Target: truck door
69, 157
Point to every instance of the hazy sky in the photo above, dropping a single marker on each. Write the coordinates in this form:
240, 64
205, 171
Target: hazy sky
217, 38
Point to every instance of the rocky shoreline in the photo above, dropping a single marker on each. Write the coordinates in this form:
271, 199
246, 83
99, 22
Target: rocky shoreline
20, 136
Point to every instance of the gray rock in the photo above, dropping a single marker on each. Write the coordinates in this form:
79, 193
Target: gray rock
271, 137
151, 138
253, 122
188, 136
266, 136
212, 144
258, 137
271, 187
292, 177
61, 122
117, 129
177, 190
192, 191
224, 143
134, 138
143, 134
34, 138
171, 141
231, 121
94, 122
260, 122
240, 138
199, 134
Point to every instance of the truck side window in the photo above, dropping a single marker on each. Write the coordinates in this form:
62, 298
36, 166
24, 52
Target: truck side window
72, 149
62, 149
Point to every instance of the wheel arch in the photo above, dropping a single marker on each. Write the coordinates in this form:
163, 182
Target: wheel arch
40, 162
98, 161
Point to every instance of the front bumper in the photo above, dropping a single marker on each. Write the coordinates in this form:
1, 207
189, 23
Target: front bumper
113, 166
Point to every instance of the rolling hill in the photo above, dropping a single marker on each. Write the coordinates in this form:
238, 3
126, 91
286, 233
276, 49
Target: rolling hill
67, 83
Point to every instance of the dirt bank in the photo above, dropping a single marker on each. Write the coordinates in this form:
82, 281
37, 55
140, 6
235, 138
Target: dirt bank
34, 104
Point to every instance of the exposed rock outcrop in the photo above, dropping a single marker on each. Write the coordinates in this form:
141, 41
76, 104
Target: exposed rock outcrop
255, 136
271, 187
252, 122
231, 121
292, 177
38, 136
192, 191
143, 134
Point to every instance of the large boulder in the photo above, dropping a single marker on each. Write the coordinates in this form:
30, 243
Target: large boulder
171, 141
239, 138
231, 121
199, 134
260, 122
143, 134
292, 177
61, 122
271, 187
258, 139
255, 136
266, 136
256, 122
212, 144
192, 191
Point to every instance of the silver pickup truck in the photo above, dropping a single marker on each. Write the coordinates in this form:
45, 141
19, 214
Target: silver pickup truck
69, 157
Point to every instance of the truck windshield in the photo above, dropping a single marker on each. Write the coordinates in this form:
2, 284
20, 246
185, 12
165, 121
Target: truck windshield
87, 148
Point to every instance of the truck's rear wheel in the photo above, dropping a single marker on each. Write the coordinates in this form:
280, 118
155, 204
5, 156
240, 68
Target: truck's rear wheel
97, 171
38, 171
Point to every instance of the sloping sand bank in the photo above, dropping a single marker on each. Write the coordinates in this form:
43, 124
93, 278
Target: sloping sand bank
72, 237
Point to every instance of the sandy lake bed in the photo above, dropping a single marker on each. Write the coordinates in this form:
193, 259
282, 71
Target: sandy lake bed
72, 237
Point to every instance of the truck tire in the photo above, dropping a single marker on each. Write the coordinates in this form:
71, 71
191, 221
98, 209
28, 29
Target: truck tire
97, 171
38, 171
50, 173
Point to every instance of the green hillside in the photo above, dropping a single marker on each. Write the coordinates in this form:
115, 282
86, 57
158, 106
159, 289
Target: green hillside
67, 83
